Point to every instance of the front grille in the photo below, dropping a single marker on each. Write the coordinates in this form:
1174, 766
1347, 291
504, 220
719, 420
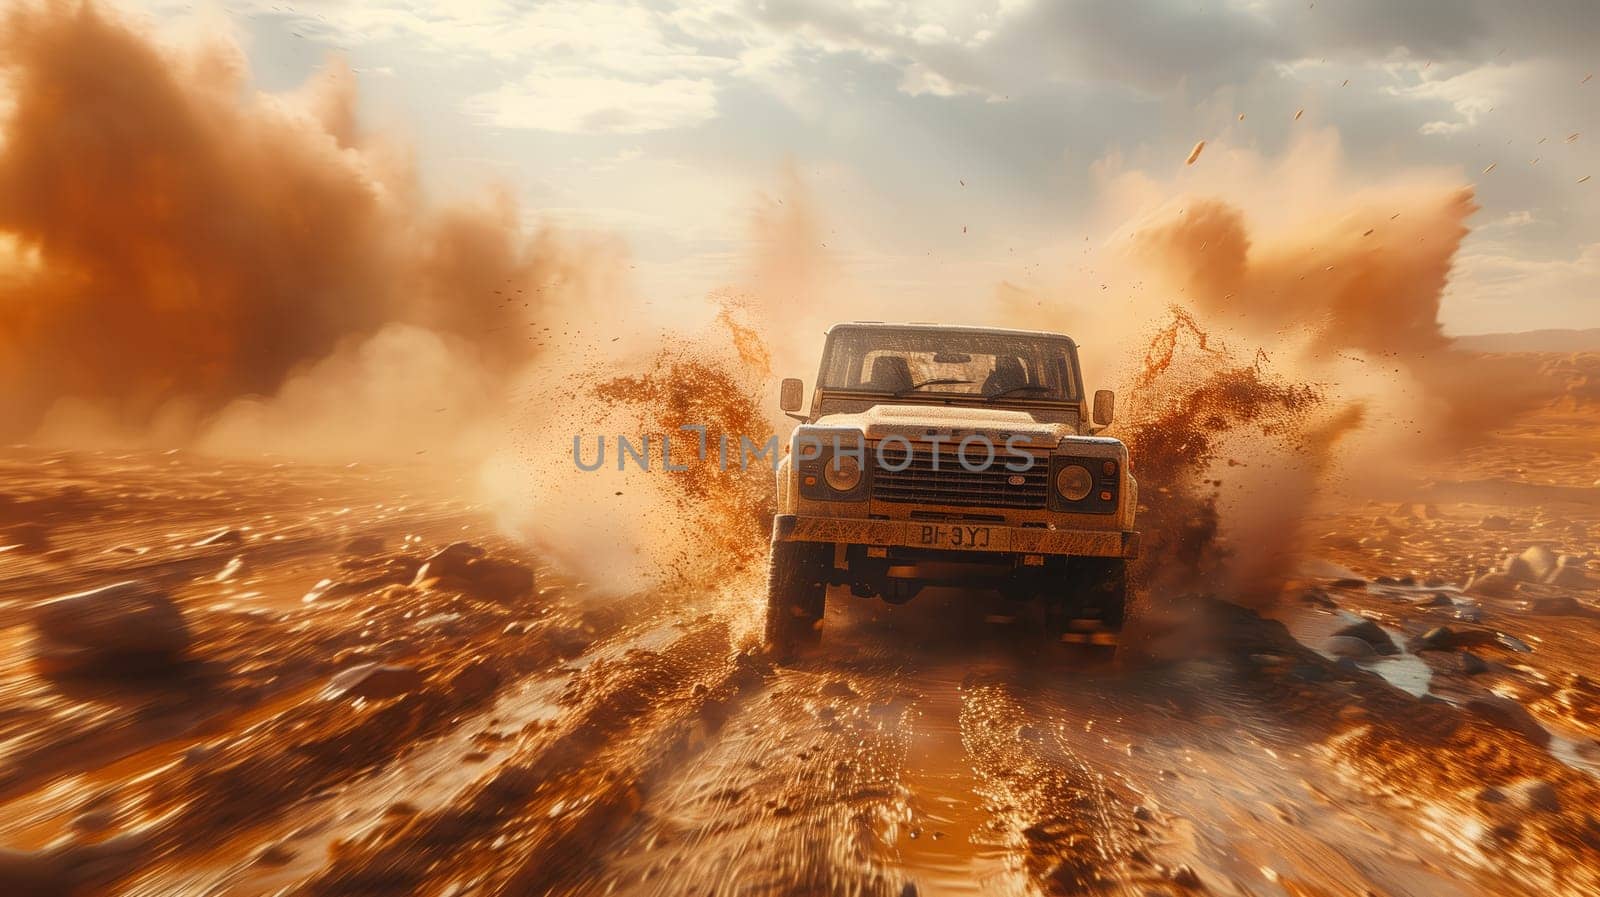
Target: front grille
953, 484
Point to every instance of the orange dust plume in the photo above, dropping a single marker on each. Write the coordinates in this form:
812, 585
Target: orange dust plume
179, 240
1354, 279
623, 519
1365, 279
724, 506
1195, 408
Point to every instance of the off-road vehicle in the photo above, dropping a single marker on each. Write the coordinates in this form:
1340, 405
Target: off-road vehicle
943, 455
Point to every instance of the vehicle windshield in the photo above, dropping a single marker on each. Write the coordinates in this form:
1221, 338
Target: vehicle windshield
968, 363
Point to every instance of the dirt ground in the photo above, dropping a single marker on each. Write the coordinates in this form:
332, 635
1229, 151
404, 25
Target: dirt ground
356, 714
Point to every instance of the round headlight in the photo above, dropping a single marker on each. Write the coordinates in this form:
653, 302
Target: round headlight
842, 472
1074, 482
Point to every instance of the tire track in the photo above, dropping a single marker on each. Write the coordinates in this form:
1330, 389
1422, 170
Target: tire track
798, 794
534, 808
1073, 832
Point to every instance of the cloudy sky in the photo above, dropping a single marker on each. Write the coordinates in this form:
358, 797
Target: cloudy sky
957, 145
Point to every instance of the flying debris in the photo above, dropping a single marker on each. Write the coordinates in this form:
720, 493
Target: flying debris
1195, 153
1298, 113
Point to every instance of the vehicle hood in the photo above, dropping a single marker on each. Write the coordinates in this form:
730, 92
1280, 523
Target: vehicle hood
917, 422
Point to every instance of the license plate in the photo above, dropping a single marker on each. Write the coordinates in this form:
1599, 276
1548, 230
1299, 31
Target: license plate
958, 536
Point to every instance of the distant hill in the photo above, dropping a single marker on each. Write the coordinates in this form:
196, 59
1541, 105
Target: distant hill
1533, 341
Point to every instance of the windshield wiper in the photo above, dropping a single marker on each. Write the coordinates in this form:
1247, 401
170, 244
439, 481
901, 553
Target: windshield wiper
1018, 388
937, 381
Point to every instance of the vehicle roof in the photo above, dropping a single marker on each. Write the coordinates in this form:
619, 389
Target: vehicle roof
929, 327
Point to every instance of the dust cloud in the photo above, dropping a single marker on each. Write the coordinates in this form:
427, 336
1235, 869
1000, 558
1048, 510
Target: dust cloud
248, 272
210, 245
1297, 341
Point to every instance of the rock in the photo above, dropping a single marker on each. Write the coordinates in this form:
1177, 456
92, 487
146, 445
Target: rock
1536, 795
450, 561
364, 546
1507, 714
1317, 597
476, 680
1533, 565
1439, 638
1073, 874
500, 580
1371, 633
1490, 795
1569, 574
837, 688
1471, 664
910, 889
464, 567
374, 682
1555, 606
129, 626
1437, 599
1494, 584
1347, 665
221, 537
1346, 646
1469, 613
1495, 523
1185, 877
1340, 540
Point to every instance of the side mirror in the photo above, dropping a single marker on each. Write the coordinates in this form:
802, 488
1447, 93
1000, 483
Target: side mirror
790, 392
1105, 403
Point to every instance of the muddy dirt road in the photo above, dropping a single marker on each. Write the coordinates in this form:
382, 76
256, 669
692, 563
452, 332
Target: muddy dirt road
358, 708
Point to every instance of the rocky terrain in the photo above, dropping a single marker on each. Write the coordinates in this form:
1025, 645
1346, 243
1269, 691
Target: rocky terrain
257, 678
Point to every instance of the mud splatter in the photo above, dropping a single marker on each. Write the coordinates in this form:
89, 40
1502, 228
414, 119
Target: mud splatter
726, 506
1190, 400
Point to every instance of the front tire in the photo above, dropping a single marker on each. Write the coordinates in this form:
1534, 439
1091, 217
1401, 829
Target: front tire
1091, 598
797, 591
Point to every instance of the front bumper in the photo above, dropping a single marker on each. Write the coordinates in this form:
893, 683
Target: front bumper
955, 535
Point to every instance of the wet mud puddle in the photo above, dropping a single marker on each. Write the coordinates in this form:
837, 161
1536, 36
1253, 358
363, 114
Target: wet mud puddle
948, 843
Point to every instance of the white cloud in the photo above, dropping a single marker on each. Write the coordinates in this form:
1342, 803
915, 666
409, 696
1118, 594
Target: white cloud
1472, 94
586, 104
1495, 287
919, 80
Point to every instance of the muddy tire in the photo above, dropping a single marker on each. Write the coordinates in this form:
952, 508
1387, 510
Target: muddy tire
1093, 590
797, 590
